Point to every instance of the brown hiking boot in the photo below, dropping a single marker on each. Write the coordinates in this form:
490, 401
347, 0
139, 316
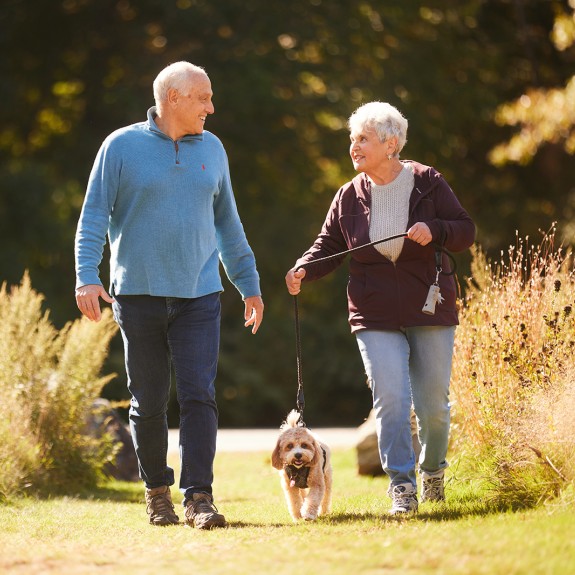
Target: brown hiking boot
159, 506
202, 513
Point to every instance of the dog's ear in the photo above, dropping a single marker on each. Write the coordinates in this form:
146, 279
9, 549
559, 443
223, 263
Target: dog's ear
315, 460
276, 457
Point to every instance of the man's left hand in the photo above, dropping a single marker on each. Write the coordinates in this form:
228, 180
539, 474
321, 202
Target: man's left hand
254, 312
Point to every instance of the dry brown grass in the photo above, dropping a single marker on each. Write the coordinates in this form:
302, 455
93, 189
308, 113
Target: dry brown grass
514, 367
49, 380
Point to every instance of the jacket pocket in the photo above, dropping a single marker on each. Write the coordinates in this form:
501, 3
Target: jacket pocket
425, 210
355, 292
380, 298
354, 228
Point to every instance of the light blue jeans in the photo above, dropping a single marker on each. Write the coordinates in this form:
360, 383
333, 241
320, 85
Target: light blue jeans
159, 332
411, 366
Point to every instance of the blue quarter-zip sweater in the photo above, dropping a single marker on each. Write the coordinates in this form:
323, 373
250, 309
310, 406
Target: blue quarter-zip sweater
170, 214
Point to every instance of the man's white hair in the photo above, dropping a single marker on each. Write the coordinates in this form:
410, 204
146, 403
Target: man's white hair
385, 119
177, 75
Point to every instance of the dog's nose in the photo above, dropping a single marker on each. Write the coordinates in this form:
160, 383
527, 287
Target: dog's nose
298, 455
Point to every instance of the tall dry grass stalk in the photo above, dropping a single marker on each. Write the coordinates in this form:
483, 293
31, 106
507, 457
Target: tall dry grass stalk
49, 380
513, 370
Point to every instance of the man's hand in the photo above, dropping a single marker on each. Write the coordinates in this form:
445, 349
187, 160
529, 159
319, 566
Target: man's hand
254, 312
88, 302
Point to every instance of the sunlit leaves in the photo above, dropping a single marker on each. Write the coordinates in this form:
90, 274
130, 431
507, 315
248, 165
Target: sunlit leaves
563, 34
543, 116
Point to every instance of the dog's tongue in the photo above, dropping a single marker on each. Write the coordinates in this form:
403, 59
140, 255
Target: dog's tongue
292, 483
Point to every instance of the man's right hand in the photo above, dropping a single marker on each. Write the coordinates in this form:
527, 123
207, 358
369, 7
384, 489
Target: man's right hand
88, 302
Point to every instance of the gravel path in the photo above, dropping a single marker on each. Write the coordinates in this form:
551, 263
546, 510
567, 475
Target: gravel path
265, 439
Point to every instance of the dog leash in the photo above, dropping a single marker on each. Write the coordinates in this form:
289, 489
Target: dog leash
300, 398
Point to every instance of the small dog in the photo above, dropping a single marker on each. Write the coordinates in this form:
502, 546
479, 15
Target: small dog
304, 464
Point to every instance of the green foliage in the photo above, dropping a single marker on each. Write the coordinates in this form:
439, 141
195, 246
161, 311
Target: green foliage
49, 380
544, 115
513, 370
286, 76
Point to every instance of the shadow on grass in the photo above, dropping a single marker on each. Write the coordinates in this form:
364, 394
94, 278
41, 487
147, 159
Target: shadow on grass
253, 525
470, 504
439, 514
471, 507
118, 491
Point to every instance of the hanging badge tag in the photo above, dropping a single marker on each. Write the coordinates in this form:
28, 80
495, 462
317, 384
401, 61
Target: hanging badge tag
433, 297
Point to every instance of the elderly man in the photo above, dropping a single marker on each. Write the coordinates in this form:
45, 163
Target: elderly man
161, 191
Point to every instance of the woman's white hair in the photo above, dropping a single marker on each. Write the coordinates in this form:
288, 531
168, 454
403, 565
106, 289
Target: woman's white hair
177, 75
385, 119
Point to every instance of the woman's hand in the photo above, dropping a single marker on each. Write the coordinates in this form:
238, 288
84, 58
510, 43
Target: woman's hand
293, 280
419, 233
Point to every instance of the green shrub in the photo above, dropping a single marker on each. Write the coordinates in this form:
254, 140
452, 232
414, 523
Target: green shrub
49, 380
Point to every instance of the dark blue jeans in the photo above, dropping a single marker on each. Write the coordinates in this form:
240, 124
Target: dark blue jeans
159, 332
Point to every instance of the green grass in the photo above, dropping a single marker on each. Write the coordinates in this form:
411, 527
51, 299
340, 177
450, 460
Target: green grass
107, 531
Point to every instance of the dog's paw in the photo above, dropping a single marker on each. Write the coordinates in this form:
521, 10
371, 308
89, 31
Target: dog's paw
308, 514
295, 515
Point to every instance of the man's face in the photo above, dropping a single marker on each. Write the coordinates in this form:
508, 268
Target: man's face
195, 104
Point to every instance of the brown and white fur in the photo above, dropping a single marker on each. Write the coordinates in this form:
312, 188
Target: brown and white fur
298, 448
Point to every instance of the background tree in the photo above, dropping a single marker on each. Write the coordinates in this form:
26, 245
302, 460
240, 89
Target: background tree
286, 78
544, 115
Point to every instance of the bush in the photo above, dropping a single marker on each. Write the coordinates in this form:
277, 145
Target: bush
49, 380
513, 371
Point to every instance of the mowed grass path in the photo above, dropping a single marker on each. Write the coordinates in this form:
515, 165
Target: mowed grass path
106, 532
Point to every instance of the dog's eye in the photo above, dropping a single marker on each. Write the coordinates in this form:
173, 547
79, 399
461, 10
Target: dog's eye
304, 446
289, 446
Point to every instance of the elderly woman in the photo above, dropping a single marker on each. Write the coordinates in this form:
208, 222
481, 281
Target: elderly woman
406, 349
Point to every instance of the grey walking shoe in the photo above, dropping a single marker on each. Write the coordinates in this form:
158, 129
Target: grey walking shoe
159, 506
432, 488
202, 513
404, 499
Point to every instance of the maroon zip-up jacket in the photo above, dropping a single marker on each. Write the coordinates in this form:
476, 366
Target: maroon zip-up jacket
382, 294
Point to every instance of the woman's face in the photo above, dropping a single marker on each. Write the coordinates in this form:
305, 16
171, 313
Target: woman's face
367, 152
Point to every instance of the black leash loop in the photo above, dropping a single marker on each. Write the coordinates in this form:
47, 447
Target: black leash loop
439, 250
344, 253
300, 399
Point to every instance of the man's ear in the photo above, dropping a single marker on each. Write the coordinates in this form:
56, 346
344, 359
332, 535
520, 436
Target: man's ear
173, 97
